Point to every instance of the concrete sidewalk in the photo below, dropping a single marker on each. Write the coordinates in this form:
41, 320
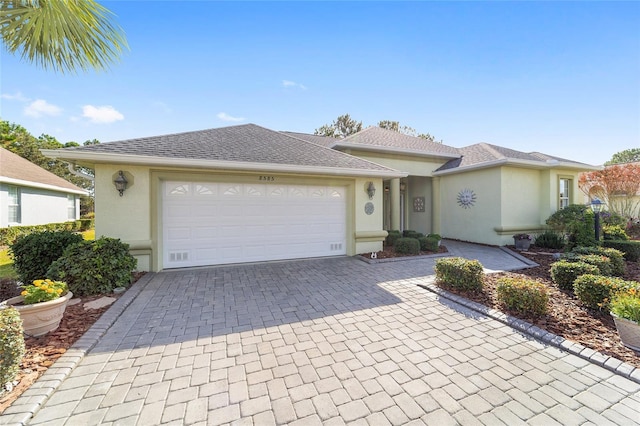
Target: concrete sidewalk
325, 341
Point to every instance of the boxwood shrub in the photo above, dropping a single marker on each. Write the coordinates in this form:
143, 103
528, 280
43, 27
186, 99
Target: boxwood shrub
460, 274
392, 237
595, 291
412, 234
615, 256
407, 246
94, 267
523, 296
12, 347
33, 254
564, 272
631, 249
428, 243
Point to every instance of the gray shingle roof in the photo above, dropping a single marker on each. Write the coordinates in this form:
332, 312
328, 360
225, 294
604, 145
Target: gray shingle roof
485, 153
317, 139
13, 166
244, 143
377, 137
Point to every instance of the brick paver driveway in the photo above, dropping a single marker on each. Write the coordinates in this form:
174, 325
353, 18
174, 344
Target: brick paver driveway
329, 341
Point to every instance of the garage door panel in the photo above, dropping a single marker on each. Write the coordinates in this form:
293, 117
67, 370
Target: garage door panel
217, 223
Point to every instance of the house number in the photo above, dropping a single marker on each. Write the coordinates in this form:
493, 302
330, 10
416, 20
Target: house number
267, 178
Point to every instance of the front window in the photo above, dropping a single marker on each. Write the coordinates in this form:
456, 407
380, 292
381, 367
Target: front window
14, 204
565, 192
71, 207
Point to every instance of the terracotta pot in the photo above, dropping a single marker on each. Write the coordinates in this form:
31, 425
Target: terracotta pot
40, 318
629, 332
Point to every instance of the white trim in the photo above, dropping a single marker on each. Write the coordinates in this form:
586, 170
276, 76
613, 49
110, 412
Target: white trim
514, 162
20, 182
217, 164
385, 149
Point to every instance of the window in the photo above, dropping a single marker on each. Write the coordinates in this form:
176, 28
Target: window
71, 207
14, 204
565, 192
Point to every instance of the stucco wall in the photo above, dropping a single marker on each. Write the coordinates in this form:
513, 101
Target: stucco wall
416, 166
37, 206
419, 186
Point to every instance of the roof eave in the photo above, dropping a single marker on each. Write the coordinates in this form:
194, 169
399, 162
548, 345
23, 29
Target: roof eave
519, 163
30, 184
391, 150
108, 158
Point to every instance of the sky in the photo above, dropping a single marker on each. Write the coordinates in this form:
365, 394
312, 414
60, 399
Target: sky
561, 78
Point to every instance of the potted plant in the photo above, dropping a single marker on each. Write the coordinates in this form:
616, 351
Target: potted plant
436, 237
41, 305
522, 241
625, 310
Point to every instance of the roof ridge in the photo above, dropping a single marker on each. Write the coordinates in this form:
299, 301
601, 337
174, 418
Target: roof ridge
492, 150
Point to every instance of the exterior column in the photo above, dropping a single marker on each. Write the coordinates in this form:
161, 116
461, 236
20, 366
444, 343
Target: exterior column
435, 205
394, 190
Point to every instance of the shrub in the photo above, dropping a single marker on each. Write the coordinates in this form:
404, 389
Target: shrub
428, 243
526, 297
577, 221
595, 291
550, 239
86, 224
94, 267
12, 347
626, 304
631, 249
392, 237
34, 253
412, 234
459, 273
603, 263
407, 246
9, 235
436, 236
565, 272
611, 218
614, 232
615, 256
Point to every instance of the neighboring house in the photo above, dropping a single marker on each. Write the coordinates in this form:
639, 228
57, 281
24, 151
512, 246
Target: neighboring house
31, 195
246, 193
621, 202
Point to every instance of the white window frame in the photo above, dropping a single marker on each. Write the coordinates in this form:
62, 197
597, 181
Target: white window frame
13, 204
564, 200
71, 207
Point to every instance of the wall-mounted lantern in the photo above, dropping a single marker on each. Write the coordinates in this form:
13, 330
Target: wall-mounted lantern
371, 190
120, 182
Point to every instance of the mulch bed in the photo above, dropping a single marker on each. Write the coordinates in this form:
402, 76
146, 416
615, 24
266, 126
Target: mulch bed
388, 253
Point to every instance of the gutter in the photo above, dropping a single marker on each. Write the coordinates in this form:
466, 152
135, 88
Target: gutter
526, 163
384, 149
30, 184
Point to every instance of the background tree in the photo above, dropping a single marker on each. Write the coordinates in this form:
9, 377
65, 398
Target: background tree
65, 35
618, 186
406, 130
341, 127
626, 156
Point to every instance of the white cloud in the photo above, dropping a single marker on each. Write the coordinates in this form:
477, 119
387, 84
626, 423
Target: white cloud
226, 117
289, 83
101, 114
18, 96
40, 107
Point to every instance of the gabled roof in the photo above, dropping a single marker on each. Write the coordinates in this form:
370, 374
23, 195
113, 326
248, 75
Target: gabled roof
486, 155
18, 171
245, 147
377, 139
325, 141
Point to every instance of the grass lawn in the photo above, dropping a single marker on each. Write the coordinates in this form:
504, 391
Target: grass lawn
6, 263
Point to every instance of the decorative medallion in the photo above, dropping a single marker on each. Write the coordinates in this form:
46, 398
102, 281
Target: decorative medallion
368, 208
418, 204
466, 198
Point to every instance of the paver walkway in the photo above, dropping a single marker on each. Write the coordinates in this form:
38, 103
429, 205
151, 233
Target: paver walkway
329, 341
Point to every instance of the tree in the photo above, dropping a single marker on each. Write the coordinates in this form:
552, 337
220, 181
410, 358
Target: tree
342, 127
626, 156
618, 186
65, 35
406, 130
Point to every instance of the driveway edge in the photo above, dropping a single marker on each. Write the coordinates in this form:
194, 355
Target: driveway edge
29, 403
610, 363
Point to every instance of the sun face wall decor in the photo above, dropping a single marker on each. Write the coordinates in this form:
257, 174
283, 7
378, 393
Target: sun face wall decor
466, 198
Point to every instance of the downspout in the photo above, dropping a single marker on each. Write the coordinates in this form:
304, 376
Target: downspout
72, 169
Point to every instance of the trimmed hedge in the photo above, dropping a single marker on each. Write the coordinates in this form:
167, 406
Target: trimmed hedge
564, 272
614, 232
631, 249
407, 246
595, 291
392, 237
615, 256
460, 274
12, 347
412, 234
523, 296
9, 235
428, 243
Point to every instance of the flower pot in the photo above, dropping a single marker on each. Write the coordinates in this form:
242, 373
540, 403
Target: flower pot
522, 244
40, 318
629, 332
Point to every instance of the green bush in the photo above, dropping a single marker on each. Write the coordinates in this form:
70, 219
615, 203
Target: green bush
550, 239
436, 236
85, 224
614, 232
94, 267
615, 256
565, 272
9, 235
578, 222
460, 274
412, 234
34, 253
595, 291
392, 237
610, 218
526, 297
407, 246
603, 263
428, 243
631, 249
12, 347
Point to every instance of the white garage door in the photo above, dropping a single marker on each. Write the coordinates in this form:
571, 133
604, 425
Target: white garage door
216, 223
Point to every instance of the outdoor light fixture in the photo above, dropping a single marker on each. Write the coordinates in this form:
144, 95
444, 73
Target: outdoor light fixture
371, 190
597, 205
120, 182
403, 186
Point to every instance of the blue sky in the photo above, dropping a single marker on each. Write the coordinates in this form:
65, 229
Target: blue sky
557, 77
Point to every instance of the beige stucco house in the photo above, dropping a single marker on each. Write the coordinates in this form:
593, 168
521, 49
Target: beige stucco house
246, 193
